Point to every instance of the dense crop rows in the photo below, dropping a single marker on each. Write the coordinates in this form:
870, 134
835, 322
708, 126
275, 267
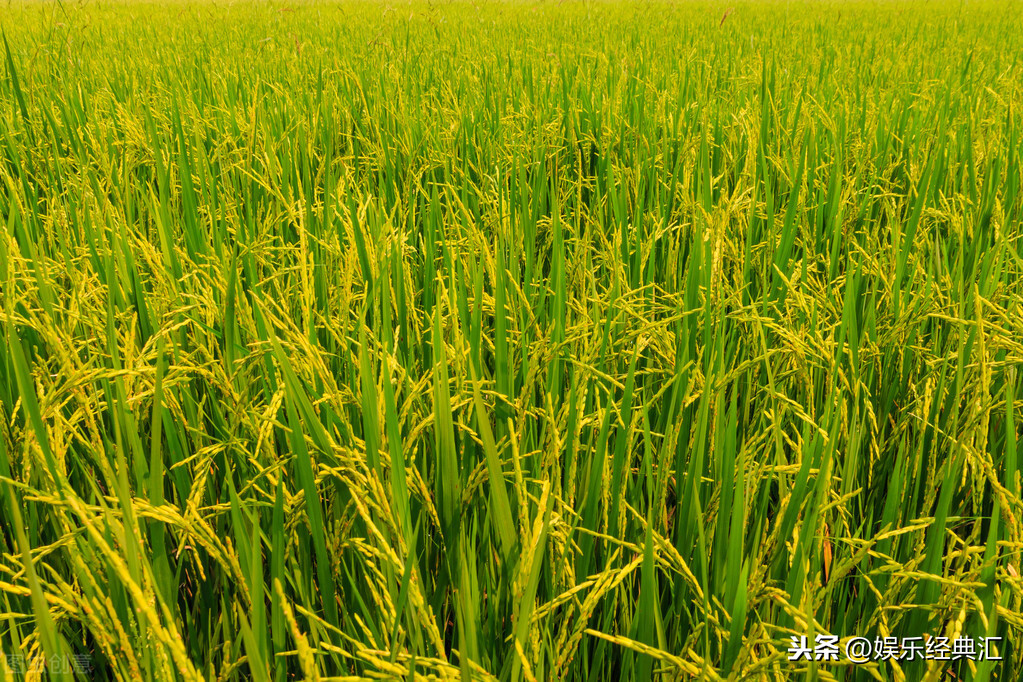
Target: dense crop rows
509, 341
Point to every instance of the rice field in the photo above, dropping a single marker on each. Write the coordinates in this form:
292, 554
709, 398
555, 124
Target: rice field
510, 340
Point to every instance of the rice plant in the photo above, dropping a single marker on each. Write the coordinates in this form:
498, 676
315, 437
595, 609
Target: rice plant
510, 340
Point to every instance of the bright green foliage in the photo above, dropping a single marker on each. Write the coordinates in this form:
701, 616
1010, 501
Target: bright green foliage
507, 341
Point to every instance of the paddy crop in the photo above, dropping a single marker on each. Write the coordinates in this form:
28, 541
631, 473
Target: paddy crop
509, 340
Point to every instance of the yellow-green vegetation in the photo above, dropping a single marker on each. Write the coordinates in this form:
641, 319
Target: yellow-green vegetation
508, 341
